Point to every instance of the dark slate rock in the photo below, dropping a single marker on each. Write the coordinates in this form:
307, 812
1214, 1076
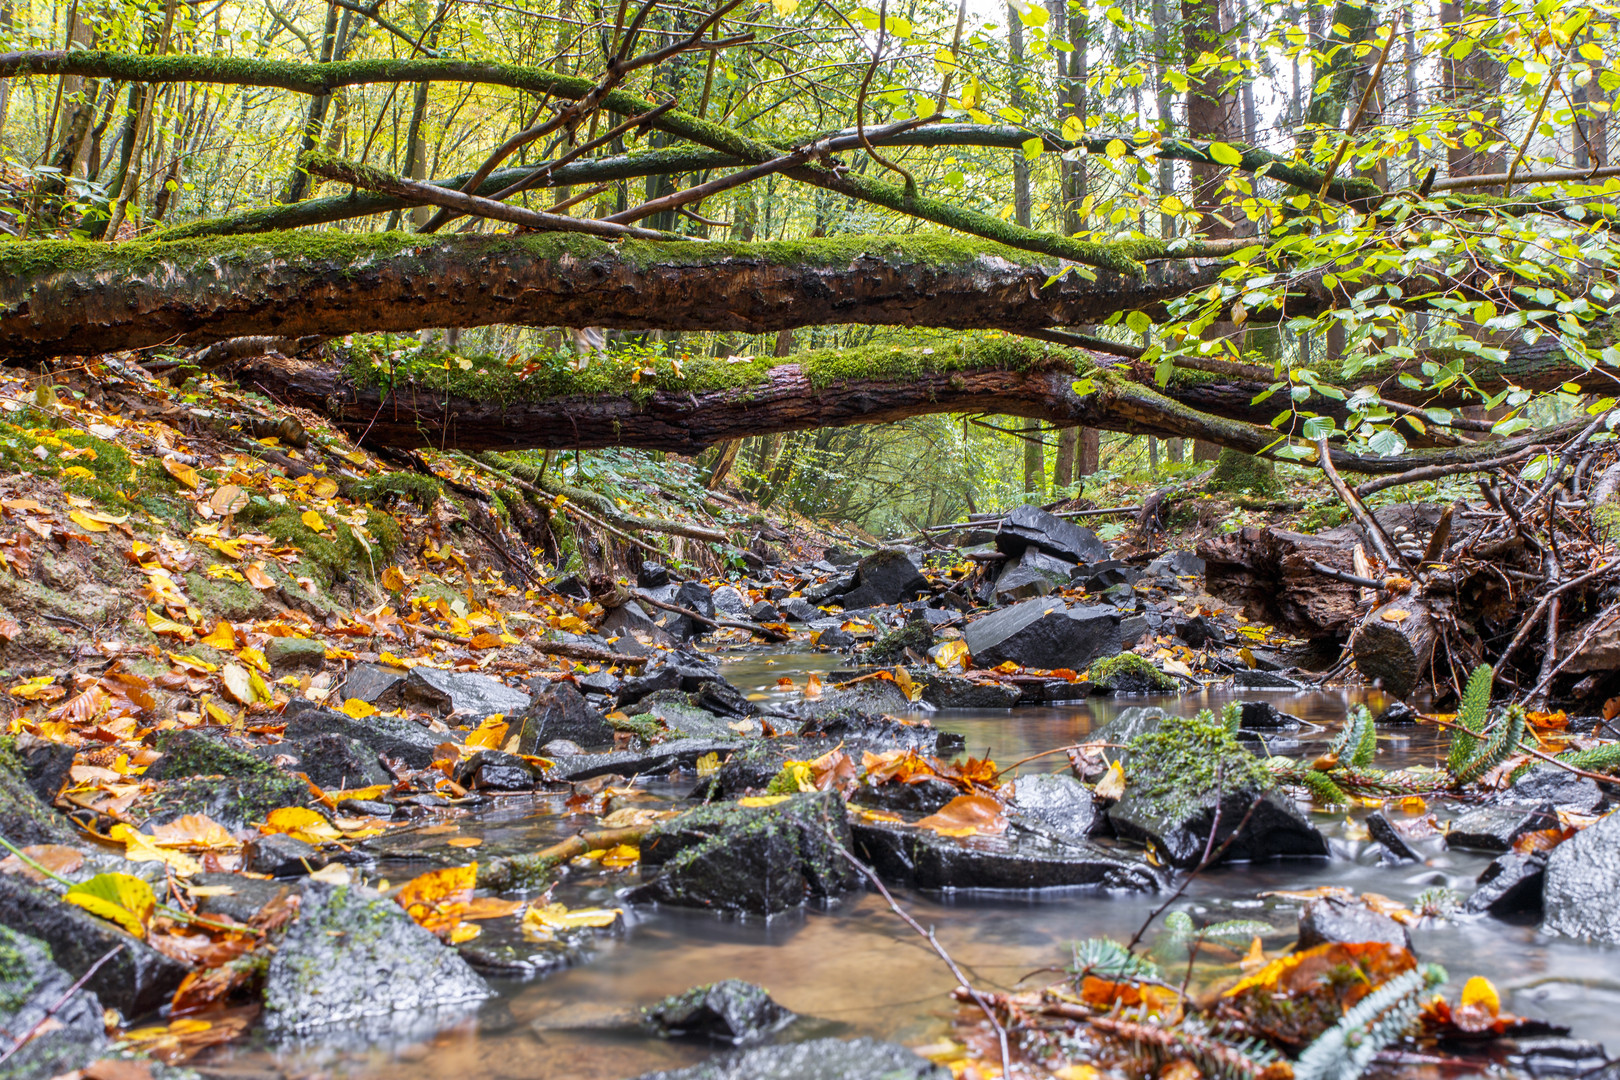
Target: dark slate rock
246, 898
871, 696
492, 770
1255, 679
1057, 802
662, 758
729, 600
571, 587
946, 691
1200, 631
1494, 828
45, 764
1264, 716
288, 653
1511, 885
1556, 1055
921, 798
335, 762
353, 955
32, 990
1582, 894
462, 693
723, 699
764, 612
1276, 828
1045, 633
877, 734
759, 860
1395, 845
1129, 724
684, 719
652, 679
1548, 784
1399, 714
193, 752
677, 626
281, 856
25, 818
1106, 575
559, 711
887, 576
730, 1011
1175, 564
695, 596
1020, 858
398, 738
595, 682
800, 610
827, 591
652, 575
630, 619
836, 638
818, 1059
1329, 920
1030, 526
235, 802
839, 555
755, 762
137, 981
1034, 573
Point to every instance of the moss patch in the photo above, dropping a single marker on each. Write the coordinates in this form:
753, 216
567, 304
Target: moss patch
334, 553
1179, 767
1131, 673
1236, 471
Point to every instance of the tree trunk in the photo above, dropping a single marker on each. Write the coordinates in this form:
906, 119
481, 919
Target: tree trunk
1063, 467
1395, 646
297, 185
1034, 459
1472, 83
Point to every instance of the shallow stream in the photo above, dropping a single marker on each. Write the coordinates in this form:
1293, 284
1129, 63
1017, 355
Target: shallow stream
857, 970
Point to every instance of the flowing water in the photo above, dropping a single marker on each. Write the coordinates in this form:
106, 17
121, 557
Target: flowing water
855, 969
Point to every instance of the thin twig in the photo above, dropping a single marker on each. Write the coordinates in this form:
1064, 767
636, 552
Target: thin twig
62, 1001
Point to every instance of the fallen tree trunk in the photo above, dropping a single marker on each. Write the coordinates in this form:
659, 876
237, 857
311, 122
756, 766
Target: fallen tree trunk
1395, 645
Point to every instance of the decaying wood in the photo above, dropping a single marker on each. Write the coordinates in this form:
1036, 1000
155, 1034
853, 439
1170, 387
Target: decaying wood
1395, 645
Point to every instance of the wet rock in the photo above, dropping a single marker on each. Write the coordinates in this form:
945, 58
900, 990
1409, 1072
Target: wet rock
137, 981
920, 798
874, 696
886, 576
630, 621
1494, 828
839, 555
1130, 673
731, 1011
368, 682
1331, 920
682, 718
764, 612
291, 653
916, 637
946, 691
1511, 885
1199, 631
593, 682
1179, 776
723, 699
1582, 893
559, 711
281, 856
652, 679
759, 860
1034, 573
395, 737
243, 897
1110, 574
492, 770
800, 610
662, 758
836, 638
1395, 845
1020, 858
729, 600
1130, 724
1255, 679
862, 732
334, 762
233, 801
571, 587
350, 956
833, 587
561, 747
1044, 633
24, 817
1399, 714
192, 752
1058, 803
1176, 564
679, 627
818, 1059
463, 694
44, 764
1557, 1056
652, 575
1030, 526
34, 996
1264, 716
1562, 789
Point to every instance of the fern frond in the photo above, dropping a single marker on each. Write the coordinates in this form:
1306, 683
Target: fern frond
1214, 1056
1604, 758
1344, 1051
1357, 741
1503, 741
1108, 959
1232, 716
1322, 788
1472, 713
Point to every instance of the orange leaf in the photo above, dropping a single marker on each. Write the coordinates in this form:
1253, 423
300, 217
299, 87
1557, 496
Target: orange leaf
439, 899
967, 815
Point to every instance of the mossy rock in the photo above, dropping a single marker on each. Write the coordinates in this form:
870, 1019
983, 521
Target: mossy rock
24, 819
412, 487
1238, 472
1131, 673
332, 553
891, 647
189, 752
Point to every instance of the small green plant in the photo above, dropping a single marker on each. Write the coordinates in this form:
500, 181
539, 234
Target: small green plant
1357, 741
1108, 959
1344, 1051
1471, 714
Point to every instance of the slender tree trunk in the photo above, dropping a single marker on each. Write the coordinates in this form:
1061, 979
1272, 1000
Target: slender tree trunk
1063, 466
132, 170
1471, 83
297, 185
1034, 459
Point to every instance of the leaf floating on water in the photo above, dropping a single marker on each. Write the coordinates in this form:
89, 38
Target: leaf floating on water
119, 898
967, 815
812, 687
439, 899
541, 923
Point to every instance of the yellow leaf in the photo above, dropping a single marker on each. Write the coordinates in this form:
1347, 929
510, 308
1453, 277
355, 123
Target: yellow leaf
465, 841
261, 692
253, 658
763, 800
465, 932
541, 922
86, 522
1479, 991
489, 735
325, 487
183, 473
258, 578
120, 898
356, 709
708, 764
392, 579
160, 625
903, 679
438, 899
949, 654
77, 472
313, 520
194, 664
219, 715
228, 499
301, 822
238, 684
622, 856
1112, 785
221, 637
138, 847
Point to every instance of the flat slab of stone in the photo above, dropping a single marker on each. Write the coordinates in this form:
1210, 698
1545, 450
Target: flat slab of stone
34, 997
462, 693
818, 1059
1019, 858
1030, 526
1046, 633
404, 740
1494, 828
659, 758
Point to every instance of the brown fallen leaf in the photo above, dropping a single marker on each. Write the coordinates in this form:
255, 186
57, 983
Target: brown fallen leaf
967, 815
56, 858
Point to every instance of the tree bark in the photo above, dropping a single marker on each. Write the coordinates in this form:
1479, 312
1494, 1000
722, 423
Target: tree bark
1395, 646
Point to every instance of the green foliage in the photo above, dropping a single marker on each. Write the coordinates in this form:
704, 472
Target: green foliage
1357, 742
1344, 1051
1503, 741
1108, 959
1322, 788
1472, 713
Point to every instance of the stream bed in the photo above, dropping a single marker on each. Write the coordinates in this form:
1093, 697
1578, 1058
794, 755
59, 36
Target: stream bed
855, 969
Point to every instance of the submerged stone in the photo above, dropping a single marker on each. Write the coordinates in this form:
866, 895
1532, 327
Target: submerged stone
817, 1059
759, 860
730, 1011
68, 1030
351, 956
1560, 788
1019, 858
661, 758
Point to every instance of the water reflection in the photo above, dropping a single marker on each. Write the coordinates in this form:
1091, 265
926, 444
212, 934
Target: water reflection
857, 970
